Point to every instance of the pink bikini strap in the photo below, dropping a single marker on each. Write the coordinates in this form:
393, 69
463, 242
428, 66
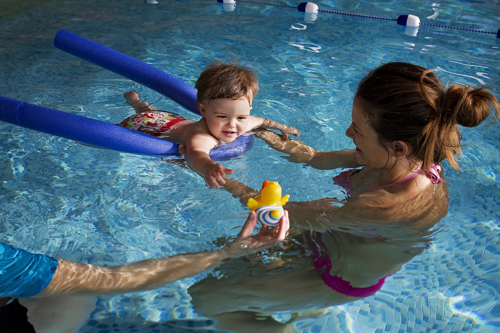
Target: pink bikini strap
433, 175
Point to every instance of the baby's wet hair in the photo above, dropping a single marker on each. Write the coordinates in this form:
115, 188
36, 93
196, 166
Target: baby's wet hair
226, 80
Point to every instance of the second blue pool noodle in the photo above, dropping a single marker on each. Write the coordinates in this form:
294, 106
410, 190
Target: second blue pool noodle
102, 134
82, 129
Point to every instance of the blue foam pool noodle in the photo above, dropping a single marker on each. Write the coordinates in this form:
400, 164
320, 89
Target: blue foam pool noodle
82, 129
131, 68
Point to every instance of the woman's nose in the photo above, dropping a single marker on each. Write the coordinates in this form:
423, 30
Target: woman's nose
349, 132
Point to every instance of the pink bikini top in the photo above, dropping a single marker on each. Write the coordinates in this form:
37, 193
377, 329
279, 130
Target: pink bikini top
323, 262
344, 178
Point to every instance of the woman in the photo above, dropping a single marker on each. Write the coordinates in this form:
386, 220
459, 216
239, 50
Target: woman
404, 124
35, 279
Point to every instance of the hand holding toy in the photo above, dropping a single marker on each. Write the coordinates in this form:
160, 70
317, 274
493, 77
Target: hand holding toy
268, 205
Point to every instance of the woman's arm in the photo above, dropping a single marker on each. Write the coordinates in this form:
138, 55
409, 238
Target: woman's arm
72, 278
76, 279
318, 215
377, 213
369, 209
331, 214
301, 153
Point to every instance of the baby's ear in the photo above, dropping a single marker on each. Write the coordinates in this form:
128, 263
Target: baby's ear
201, 108
182, 150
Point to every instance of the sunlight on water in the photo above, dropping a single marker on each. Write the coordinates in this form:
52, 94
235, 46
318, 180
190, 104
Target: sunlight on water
103, 207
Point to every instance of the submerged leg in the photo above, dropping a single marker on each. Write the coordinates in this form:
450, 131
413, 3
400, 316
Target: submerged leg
245, 321
245, 302
308, 314
59, 314
138, 104
249, 322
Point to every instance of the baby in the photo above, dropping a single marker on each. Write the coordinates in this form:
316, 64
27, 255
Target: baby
224, 98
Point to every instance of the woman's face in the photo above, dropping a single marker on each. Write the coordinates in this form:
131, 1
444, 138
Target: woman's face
369, 151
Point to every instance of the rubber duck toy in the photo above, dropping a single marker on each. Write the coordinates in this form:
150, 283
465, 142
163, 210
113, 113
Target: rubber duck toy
268, 205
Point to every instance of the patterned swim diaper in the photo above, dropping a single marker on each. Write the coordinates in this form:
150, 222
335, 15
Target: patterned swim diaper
152, 123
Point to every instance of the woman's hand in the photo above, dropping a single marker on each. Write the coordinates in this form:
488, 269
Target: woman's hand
267, 236
302, 153
284, 129
288, 130
299, 152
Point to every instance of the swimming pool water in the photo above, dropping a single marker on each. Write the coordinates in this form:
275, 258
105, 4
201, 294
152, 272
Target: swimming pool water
107, 208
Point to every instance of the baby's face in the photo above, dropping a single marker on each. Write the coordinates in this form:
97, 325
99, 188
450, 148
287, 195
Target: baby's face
226, 118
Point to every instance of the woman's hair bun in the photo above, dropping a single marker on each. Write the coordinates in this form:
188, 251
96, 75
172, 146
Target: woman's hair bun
470, 106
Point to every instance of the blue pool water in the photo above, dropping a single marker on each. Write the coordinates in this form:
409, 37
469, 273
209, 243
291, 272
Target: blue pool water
107, 208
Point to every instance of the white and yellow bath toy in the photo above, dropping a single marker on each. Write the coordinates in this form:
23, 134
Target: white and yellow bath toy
268, 205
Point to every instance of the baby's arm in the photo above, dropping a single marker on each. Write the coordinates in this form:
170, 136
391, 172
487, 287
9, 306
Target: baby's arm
198, 147
255, 122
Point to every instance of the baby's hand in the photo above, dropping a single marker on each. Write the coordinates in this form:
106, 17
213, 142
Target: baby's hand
288, 130
214, 175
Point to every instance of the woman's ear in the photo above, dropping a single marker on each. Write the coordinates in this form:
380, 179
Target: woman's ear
201, 108
401, 149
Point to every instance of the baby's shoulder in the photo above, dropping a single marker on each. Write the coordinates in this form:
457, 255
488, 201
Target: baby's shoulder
198, 133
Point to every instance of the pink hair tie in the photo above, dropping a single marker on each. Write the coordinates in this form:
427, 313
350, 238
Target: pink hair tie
433, 173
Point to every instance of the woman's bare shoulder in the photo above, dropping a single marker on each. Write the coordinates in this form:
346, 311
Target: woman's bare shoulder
422, 208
